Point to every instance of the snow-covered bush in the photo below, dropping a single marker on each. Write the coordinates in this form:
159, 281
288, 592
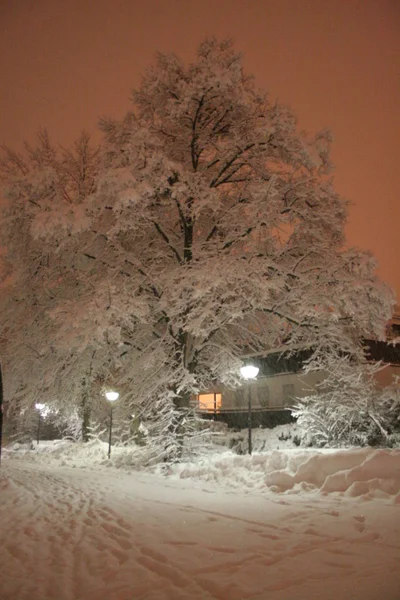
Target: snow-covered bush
387, 405
171, 433
348, 407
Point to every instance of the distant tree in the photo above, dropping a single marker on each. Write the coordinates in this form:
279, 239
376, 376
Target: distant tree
43, 206
211, 230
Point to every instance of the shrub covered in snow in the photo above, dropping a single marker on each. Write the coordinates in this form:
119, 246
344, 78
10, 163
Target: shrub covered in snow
348, 408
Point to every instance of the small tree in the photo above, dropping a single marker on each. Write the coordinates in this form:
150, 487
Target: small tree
211, 229
348, 407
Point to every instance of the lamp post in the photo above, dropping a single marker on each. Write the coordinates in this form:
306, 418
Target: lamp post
1, 411
40, 408
111, 397
249, 372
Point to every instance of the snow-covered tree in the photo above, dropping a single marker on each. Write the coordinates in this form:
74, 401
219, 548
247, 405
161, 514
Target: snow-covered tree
348, 407
211, 230
45, 192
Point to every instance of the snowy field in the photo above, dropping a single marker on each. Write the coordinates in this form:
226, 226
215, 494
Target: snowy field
286, 524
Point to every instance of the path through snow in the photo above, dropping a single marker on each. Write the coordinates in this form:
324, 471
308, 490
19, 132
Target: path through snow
82, 534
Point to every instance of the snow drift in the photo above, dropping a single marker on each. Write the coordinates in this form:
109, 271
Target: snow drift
363, 472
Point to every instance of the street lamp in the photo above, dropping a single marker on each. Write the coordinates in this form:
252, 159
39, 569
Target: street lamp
249, 372
41, 409
1, 412
111, 397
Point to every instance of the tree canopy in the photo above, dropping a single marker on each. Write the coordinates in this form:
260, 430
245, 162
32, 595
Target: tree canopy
205, 228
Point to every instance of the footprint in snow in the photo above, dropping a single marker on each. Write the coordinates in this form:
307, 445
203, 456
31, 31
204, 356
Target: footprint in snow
360, 523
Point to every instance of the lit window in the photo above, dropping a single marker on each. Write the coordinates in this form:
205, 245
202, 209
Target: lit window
209, 402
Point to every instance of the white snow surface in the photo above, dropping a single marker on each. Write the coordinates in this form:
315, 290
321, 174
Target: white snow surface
287, 524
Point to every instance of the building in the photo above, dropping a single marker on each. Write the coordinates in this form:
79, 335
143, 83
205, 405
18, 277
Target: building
281, 379
279, 382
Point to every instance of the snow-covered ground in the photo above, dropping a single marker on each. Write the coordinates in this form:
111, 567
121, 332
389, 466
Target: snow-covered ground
287, 524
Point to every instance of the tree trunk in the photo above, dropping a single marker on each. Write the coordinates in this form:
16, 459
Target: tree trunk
85, 412
182, 404
177, 429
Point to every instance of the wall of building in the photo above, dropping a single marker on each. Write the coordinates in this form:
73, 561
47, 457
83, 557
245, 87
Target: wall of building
387, 375
271, 392
277, 391
281, 381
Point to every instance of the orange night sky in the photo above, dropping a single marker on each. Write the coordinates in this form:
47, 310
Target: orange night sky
64, 63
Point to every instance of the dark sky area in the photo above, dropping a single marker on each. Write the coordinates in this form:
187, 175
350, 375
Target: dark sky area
64, 63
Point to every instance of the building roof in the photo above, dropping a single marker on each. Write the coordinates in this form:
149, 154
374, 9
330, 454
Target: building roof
279, 362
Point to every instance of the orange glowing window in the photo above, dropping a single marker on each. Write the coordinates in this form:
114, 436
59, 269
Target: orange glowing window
209, 401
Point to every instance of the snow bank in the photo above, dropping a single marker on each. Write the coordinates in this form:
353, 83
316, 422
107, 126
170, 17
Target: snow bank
366, 472
278, 438
75, 454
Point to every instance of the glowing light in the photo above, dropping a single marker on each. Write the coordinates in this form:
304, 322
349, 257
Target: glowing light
249, 371
209, 401
112, 396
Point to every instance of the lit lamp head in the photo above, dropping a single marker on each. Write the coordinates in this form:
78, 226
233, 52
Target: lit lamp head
40, 406
249, 371
112, 396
